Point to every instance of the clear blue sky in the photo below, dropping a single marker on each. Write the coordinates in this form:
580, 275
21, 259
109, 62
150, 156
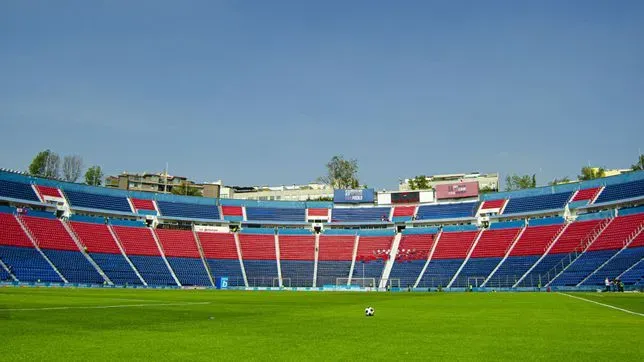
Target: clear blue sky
265, 92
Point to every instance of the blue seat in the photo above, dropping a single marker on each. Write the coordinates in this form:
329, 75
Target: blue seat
625, 190
260, 273
185, 210
300, 272
189, 271
475, 271
407, 271
582, 267
536, 203
329, 271
96, 201
359, 214
74, 266
229, 268
439, 272
447, 211
153, 270
28, 265
275, 214
540, 274
620, 263
511, 271
634, 275
4, 276
116, 268
17, 190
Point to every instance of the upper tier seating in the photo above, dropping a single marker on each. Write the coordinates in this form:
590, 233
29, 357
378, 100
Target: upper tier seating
96, 201
232, 213
178, 243
493, 204
137, 241
48, 191
446, 211
142, 204
318, 212
625, 190
403, 213
184, 210
17, 190
275, 214
536, 203
355, 214
494, 243
586, 194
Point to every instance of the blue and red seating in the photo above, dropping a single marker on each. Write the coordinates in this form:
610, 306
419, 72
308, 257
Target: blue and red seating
48, 191
86, 200
101, 246
143, 206
142, 249
188, 211
317, 213
355, 214
372, 253
334, 258
537, 203
258, 253
447, 211
403, 213
275, 214
297, 255
450, 252
232, 213
220, 252
411, 257
181, 251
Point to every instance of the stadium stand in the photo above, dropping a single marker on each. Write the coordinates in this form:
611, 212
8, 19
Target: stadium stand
537, 203
450, 252
143, 206
626, 190
334, 258
314, 213
371, 256
297, 255
355, 214
258, 252
17, 190
220, 252
275, 214
232, 213
181, 251
96, 201
185, 210
586, 194
412, 255
446, 211
403, 213
48, 191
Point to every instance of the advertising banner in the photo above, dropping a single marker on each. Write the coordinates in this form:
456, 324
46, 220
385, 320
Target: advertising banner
405, 197
457, 190
353, 196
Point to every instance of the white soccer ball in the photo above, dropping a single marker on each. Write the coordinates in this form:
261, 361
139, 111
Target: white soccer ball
369, 312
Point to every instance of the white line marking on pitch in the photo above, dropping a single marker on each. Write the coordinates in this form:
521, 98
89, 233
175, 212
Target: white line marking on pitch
605, 305
106, 306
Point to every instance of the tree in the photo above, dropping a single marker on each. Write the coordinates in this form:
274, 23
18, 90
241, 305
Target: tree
419, 183
639, 166
45, 164
72, 167
591, 173
185, 189
341, 173
94, 176
557, 181
516, 182
486, 190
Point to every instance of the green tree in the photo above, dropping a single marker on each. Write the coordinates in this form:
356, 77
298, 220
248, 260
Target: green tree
639, 166
419, 182
557, 181
486, 190
94, 176
341, 173
185, 189
591, 173
516, 182
45, 164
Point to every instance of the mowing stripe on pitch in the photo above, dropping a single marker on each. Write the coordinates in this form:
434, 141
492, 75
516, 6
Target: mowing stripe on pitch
604, 304
106, 306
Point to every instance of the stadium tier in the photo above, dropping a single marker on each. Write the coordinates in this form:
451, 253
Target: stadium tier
568, 236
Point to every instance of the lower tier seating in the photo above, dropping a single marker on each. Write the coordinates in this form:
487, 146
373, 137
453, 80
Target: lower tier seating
407, 271
540, 274
229, 268
153, 270
28, 265
582, 267
189, 271
622, 261
260, 273
329, 271
4, 276
475, 271
74, 266
511, 271
635, 275
116, 268
439, 272
368, 269
300, 273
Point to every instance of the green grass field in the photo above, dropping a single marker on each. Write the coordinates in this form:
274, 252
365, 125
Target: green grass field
115, 324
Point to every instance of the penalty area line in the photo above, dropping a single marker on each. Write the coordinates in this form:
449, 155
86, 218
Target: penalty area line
603, 304
105, 306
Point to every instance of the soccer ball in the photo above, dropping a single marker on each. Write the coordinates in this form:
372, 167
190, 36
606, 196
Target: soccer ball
369, 312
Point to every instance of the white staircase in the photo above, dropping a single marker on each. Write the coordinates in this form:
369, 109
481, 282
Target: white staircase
33, 241
165, 260
120, 246
203, 257
429, 258
315, 263
507, 253
353, 259
239, 255
390, 262
277, 259
83, 251
6, 268
469, 253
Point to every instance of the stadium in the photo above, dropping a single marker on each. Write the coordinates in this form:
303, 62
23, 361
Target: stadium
252, 245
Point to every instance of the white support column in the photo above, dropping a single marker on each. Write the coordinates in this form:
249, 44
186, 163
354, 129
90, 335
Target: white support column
240, 256
244, 213
507, 253
548, 248
429, 259
35, 244
469, 253
165, 260
81, 248
353, 259
120, 246
203, 257
390, 262
315, 257
277, 260
391, 213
